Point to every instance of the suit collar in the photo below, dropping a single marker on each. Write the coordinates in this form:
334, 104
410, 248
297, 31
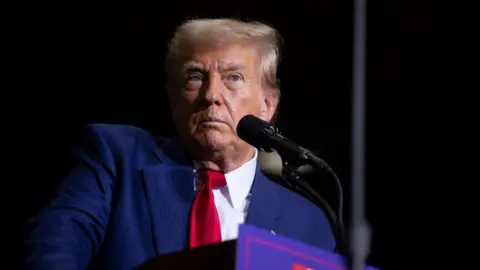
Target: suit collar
169, 188
172, 152
169, 192
265, 204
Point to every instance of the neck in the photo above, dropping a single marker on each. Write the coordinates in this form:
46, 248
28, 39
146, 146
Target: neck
225, 161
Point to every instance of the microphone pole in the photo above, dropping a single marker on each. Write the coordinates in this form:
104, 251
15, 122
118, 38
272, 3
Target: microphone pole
360, 231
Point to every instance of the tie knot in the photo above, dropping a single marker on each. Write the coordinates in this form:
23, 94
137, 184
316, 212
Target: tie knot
213, 179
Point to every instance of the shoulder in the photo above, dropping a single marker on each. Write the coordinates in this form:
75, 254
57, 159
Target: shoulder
118, 136
113, 142
114, 133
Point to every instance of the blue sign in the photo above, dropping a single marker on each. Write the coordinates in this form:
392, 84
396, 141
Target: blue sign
259, 249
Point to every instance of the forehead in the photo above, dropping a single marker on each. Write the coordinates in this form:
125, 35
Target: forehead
222, 58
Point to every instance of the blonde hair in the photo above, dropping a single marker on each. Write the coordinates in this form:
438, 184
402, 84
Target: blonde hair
215, 32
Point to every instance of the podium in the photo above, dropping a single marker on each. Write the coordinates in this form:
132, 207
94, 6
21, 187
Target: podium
254, 249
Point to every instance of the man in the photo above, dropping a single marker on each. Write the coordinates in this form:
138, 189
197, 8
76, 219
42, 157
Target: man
132, 197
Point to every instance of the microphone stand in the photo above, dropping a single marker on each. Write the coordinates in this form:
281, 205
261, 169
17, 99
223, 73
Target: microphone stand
306, 163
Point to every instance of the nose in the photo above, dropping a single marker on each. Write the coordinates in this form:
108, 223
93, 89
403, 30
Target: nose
213, 92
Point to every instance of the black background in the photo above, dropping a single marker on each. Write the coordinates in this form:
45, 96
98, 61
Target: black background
102, 61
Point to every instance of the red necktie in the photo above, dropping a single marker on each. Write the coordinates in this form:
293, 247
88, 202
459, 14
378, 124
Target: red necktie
204, 221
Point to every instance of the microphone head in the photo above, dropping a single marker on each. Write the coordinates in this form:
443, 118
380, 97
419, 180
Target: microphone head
271, 164
253, 130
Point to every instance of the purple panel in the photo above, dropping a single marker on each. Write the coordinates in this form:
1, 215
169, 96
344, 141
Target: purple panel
259, 249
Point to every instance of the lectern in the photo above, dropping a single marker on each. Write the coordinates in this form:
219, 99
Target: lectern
254, 249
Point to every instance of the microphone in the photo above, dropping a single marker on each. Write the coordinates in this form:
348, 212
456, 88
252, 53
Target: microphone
282, 158
271, 164
265, 137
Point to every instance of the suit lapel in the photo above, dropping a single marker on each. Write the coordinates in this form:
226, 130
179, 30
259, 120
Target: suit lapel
265, 205
169, 189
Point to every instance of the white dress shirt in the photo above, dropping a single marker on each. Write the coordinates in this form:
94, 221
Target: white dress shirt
233, 199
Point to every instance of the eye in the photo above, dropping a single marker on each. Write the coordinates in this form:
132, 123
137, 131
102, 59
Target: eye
194, 77
235, 78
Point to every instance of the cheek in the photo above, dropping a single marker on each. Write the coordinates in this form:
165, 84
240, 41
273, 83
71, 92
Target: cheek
248, 102
242, 105
186, 98
180, 107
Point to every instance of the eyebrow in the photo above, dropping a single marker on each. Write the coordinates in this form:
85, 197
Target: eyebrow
192, 66
223, 66
226, 67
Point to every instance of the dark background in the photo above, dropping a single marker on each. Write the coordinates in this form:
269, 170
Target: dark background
102, 61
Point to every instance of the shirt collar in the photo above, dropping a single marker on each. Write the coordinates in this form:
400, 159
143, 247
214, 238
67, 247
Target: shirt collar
239, 182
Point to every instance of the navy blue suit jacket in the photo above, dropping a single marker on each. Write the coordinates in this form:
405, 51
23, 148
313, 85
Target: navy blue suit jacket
128, 200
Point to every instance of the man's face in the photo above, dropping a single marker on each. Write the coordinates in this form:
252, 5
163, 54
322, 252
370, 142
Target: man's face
215, 89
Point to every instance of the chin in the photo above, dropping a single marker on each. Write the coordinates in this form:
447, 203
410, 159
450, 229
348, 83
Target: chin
212, 141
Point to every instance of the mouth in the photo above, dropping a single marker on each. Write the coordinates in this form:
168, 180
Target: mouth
211, 121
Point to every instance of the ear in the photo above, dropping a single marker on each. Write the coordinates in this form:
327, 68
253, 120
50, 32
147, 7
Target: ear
269, 106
